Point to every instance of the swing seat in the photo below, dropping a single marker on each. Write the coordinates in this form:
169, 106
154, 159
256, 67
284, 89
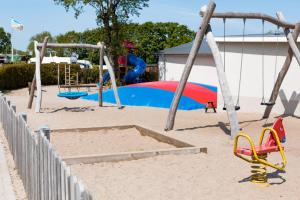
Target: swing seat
235, 108
267, 103
277, 136
260, 150
72, 95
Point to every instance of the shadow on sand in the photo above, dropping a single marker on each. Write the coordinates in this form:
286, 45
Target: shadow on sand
271, 176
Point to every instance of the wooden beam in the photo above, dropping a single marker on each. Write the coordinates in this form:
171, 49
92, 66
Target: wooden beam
33, 83
78, 86
38, 62
101, 54
189, 64
282, 73
133, 155
290, 39
72, 45
228, 100
113, 81
260, 16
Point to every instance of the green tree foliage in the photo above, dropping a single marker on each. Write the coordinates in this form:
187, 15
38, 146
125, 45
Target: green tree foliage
70, 37
151, 37
5, 43
92, 36
110, 14
148, 38
40, 38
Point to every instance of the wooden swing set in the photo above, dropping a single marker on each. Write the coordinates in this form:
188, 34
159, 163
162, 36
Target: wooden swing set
40, 49
207, 13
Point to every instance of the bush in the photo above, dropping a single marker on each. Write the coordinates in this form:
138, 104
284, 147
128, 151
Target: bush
15, 76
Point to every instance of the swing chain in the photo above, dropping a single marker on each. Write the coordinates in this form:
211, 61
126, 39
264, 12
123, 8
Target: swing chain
242, 63
263, 63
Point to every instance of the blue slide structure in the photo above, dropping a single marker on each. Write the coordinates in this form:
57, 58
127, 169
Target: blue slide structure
132, 75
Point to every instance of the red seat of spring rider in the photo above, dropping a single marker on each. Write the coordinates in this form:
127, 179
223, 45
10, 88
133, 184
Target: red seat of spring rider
270, 145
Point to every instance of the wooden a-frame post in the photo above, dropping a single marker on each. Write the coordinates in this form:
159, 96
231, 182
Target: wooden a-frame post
101, 57
33, 83
225, 90
38, 63
99, 47
285, 67
204, 29
188, 67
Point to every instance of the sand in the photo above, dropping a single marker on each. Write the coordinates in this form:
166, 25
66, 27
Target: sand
217, 175
103, 142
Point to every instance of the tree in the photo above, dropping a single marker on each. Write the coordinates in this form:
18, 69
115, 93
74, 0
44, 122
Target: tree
110, 14
40, 38
5, 43
151, 37
70, 37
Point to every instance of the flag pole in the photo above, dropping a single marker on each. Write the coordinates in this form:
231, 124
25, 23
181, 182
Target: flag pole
12, 46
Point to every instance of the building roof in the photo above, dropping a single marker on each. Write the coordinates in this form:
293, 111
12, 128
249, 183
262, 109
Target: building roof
205, 50
185, 49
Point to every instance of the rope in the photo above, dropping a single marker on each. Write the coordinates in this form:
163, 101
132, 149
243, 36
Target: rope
263, 62
277, 52
224, 45
241, 66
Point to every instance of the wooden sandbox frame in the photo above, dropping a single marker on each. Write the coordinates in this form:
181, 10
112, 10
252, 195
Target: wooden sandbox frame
181, 148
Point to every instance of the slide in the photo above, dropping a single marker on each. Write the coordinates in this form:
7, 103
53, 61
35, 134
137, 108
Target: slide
139, 68
132, 75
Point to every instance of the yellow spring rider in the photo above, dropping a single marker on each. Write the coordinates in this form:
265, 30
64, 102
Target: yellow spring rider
257, 155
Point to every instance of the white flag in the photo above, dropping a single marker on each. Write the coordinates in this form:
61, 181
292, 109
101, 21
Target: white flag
16, 25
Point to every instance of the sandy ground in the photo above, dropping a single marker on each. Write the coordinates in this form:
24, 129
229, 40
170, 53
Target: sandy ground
15, 178
103, 142
217, 175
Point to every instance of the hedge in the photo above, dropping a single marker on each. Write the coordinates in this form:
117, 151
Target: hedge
15, 76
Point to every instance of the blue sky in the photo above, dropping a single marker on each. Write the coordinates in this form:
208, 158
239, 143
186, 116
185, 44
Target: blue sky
41, 15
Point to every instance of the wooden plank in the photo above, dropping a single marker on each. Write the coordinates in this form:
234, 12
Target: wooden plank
62, 180
78, 86
122, 127
189, 65
72, 187
162, 138
41, 165
71, 45
77, 191
58, 177
282, 74
126, 156
260, 16
38, 79
30, 174
47, 170
33, 83
55, 176
67, 181
228, 100
143, 131
27, 162
36, 170
113, 81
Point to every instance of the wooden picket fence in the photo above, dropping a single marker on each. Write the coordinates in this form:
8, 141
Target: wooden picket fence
44, 174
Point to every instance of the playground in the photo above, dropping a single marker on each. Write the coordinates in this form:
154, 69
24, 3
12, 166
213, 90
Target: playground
167, 139
217, 174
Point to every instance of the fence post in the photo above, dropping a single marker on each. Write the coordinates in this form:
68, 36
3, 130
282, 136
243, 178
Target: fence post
24, 116
46, 130
44, 174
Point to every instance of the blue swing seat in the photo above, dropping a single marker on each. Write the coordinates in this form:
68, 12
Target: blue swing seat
72, 95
